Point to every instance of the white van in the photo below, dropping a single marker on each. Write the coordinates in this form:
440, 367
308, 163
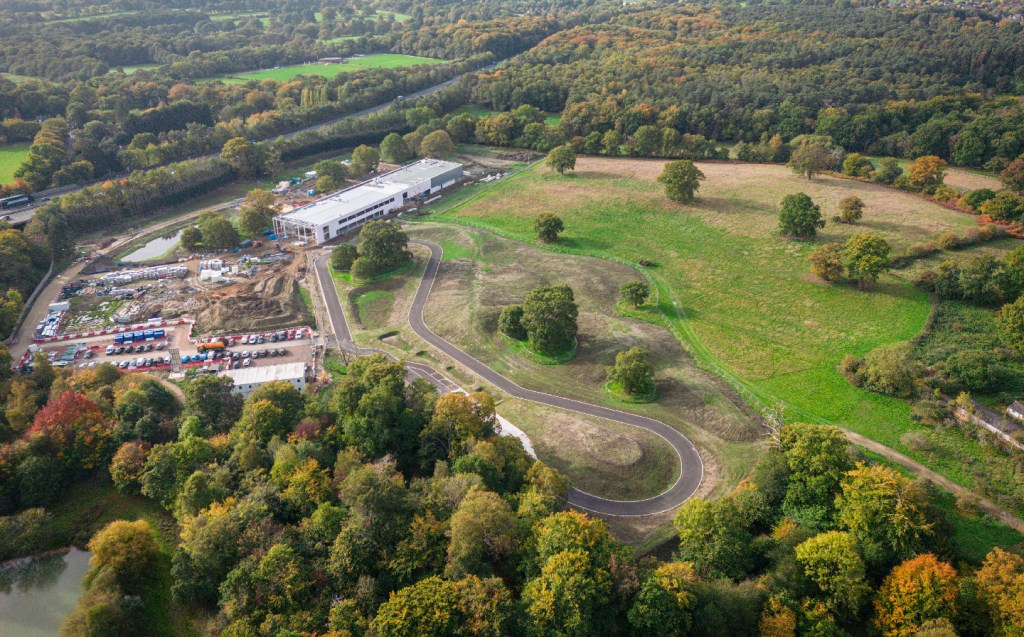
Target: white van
110, 350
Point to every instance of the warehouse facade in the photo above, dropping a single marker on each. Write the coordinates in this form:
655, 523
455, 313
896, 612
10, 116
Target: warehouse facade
346, 210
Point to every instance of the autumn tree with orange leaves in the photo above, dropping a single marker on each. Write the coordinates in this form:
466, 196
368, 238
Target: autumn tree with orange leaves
73, 429
919, 590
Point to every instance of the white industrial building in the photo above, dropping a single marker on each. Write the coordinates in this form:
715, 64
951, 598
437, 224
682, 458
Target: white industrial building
247, 379
348, 209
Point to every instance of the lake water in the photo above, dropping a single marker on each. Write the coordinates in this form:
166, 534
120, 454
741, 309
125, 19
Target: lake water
37, 593
155, 248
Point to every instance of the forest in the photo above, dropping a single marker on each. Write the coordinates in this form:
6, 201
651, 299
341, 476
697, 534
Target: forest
378, 507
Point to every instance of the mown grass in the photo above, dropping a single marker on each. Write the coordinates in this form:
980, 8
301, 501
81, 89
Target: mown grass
739, 294
11, 156
490, 272
287, 73
374, 308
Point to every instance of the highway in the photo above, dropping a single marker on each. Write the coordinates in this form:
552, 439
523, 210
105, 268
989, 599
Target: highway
23, 215
691, 467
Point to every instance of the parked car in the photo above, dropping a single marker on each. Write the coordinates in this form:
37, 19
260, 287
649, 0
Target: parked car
247, 362
110, 350
160, 346
119, 350
129, 350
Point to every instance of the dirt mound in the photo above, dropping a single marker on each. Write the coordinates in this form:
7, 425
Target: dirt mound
268, 300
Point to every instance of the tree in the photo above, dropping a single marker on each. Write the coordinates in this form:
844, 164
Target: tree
714, 537
664, 605
818, 457
970, 370
342, 257
248, 159
885, 513
799, 216
1004, 206
209, 399
257, 211
470, 607
632, 372
383, 246
811, 158
827, 261
330, 175
561, 159
926, 173
74, 430
510, 322
437, 145
218, 231
682, 180
865, 257
567, 595
891, 370
1000, 582
458, 420
1013, 175
191, 238
832, 562
127, 551
1010, 322
481, 535
856, 165
394, 151
127, 465
364, 160
547, 226
888, 171
919, 590
635, 292
549, 317
851, 209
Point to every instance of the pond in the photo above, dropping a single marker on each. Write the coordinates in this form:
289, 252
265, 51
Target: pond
36, 593
155, 248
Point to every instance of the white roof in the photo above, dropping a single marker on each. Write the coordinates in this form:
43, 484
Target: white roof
368, 193
266, 373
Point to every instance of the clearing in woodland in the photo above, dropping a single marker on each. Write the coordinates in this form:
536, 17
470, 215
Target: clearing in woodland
478, 276
742, 297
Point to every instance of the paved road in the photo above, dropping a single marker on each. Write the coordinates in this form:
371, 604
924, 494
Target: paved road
24, 215
692, 469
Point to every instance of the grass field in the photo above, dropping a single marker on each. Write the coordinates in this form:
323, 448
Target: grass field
128, 70
374, 308
286, 73
17, 79
11, 156
98, 16
741, 296
962, 178
479, 276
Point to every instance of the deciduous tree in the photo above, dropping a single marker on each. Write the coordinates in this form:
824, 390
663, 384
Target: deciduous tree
257, 211
1000, 582
364, 160
682, 180
632, 372
561, 159
664, 605
865, 257
635, 292
851, 209
549, 316
919, 590
818, 457
547, 226
342, 257
799, 216
827, 261
832, 562
713, 537
437, 145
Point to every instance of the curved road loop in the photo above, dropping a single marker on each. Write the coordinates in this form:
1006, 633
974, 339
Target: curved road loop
691, 467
